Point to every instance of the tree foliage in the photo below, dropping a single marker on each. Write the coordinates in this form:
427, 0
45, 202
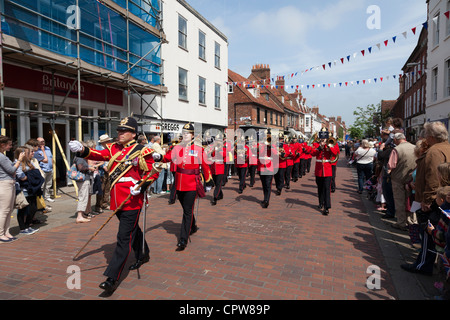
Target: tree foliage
369, 120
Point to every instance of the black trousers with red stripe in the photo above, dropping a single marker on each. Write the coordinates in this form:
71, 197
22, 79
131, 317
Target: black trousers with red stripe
218, 179
129, 238
323, 191
187, 200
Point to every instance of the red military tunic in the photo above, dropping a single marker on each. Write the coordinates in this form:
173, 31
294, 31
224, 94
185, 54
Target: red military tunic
188, 158
323, 161
241, 160
218, 161
137, 159
289, 149
265, 160
297, 150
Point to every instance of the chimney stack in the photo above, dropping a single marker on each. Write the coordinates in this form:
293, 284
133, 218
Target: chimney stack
262, 72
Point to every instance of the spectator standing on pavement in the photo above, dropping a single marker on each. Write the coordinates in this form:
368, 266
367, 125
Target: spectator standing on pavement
7, 188
45, 158
30, 181
157, 186
364, 157
427, 183
142, 139
83, 204
96, 182
401, 164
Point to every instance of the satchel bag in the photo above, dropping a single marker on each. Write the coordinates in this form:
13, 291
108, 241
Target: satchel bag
21, 201
75, 175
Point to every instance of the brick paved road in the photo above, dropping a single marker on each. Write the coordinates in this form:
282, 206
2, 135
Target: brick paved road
286, 252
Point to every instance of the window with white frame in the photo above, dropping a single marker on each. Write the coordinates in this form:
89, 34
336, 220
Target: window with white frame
217, 55
201, 45
434, 84
182, 32
216, 96
436, 29
182, 84
201, 90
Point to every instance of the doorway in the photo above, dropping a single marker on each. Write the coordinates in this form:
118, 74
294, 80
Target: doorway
61, 169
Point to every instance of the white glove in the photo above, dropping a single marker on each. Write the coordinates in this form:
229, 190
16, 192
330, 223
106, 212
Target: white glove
135, 192
208, 189
75, 146
156, 156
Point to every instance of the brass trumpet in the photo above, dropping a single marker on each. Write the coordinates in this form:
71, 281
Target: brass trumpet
331, 142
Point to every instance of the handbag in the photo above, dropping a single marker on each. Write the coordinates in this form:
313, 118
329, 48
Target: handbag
74, 174
40, 202
21, 201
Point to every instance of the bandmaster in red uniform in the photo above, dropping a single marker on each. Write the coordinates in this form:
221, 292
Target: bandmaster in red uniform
129, 163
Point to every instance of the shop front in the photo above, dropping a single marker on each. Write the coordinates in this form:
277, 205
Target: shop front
39, 103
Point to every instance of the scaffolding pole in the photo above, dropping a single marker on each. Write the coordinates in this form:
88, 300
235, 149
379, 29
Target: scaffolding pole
2, 85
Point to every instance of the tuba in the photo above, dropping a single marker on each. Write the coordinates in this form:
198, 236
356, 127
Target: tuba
331, 142
314, 138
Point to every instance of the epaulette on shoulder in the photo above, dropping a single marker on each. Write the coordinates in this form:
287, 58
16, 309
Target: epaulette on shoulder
146, 151
109, 145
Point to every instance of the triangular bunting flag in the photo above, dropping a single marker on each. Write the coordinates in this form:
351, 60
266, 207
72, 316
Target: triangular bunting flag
348, 58
323, 67
425, 25
394, 38
379, 46
329, 64
370, 49
405, 34
364, 81
447, 14
414, 30
381, 79
386, 42
362, 51
342, 60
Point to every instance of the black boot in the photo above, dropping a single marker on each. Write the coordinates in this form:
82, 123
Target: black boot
181, 245
109, 285
139, 263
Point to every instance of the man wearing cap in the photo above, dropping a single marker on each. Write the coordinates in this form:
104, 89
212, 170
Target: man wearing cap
129, 163
323, 170
191, 162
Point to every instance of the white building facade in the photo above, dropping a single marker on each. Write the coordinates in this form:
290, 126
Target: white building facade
195, 63
438, 66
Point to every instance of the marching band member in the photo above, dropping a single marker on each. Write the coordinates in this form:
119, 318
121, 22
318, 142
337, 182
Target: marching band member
266, 167
128, 164
230, 159
297, 150
217, 154
289, 150
334, 167
282, 164
303, 159
252, 160
241, 162
191, 162
323, 171
173, 169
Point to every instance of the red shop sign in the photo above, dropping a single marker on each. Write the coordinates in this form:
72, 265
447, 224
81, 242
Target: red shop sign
43, 82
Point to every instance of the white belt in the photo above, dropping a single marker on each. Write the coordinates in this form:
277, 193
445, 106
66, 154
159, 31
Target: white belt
128, 179
323, 160
265, 158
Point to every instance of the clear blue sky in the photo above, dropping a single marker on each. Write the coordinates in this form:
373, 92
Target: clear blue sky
295, 35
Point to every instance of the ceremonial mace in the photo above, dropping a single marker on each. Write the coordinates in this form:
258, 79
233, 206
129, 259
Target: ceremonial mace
156, 168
